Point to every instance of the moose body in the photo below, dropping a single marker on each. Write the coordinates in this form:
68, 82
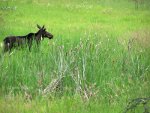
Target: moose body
16, 41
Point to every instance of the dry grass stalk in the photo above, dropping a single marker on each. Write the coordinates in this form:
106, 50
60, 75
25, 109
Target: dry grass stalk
52, 86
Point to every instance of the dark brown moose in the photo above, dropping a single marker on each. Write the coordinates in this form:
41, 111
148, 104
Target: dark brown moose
15, 41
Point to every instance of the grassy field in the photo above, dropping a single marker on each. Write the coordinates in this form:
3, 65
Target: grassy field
97, 62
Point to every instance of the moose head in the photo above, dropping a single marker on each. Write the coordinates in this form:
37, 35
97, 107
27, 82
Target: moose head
44, 32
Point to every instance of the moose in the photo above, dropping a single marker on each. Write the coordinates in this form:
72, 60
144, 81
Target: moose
16, 41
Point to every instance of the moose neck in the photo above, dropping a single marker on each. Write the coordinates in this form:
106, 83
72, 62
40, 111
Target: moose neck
38, 35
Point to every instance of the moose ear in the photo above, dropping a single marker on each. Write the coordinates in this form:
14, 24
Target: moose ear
43, 27
38, 26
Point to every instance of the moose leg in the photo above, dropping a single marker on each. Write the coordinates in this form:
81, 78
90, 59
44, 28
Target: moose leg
7, 47
30, 44
10, 45
38, 45
37, 42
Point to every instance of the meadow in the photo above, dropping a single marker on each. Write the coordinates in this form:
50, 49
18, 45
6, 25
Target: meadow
98, 60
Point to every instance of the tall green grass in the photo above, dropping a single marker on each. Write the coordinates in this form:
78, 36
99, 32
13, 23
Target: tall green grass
100, 48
